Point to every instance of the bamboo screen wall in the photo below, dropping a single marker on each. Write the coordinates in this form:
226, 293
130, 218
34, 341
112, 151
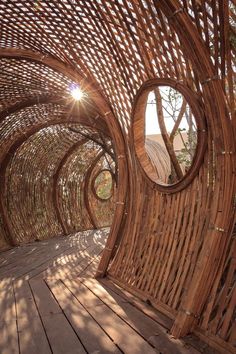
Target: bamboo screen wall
173, 246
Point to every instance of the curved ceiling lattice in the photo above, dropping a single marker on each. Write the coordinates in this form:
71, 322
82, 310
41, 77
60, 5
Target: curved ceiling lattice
21, 80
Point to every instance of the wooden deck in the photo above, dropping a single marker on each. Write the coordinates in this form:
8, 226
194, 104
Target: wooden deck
50, 303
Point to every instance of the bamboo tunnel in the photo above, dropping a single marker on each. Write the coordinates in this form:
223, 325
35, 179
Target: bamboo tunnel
171, 218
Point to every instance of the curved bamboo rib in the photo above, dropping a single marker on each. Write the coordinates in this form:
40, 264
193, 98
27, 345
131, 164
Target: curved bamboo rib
171, 245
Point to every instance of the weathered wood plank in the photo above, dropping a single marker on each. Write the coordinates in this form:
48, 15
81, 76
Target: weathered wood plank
8, 337
61, 335
122, 334
144, 325
44, 299
90, 333
7, 301
32, 337
73, 268
147, 309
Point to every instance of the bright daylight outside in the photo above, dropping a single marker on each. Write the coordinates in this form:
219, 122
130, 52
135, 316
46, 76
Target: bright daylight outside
170, 133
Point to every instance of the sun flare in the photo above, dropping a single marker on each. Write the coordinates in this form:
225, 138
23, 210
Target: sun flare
77, 93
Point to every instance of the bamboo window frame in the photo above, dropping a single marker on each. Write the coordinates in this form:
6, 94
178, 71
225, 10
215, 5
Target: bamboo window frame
138, 131
94, 189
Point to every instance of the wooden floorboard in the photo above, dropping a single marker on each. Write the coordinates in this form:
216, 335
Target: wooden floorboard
118, 330
7, 302
30, 257
50, 303
88, 330
31, 333
61, 335
157, 316
8, 337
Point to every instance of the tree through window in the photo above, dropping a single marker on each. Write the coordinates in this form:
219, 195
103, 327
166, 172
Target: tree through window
170, 123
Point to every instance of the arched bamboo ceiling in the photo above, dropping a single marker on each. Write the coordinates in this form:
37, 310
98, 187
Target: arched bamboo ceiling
101, 39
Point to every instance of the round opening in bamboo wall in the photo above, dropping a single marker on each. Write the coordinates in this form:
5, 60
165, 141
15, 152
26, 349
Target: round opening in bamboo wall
103, 185
169, 133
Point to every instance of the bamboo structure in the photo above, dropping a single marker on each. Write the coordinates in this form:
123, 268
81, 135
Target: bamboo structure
173, 245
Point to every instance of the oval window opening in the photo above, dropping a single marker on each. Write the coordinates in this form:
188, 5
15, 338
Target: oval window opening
168, 147
103, 185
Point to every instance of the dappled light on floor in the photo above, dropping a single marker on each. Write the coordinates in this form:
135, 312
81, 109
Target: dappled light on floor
50, 303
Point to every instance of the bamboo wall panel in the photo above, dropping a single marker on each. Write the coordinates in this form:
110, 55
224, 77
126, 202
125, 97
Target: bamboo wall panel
218, 317
162, 264
173, 247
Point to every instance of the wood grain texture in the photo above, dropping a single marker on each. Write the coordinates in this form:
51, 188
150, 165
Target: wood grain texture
172, 246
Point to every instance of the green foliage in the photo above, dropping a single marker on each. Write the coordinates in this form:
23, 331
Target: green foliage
103, 185
186, 154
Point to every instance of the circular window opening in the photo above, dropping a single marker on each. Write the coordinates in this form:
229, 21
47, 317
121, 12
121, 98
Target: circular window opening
169, 133
103, 185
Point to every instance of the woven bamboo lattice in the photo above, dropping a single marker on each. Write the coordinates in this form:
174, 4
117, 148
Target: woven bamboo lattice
171, 245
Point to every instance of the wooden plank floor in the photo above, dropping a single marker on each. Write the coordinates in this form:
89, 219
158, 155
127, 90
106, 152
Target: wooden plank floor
50, 303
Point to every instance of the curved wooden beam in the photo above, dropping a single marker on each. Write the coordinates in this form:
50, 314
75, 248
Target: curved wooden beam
93, 184
139, 128
27, 103
56, 176
75, 112
86, 188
